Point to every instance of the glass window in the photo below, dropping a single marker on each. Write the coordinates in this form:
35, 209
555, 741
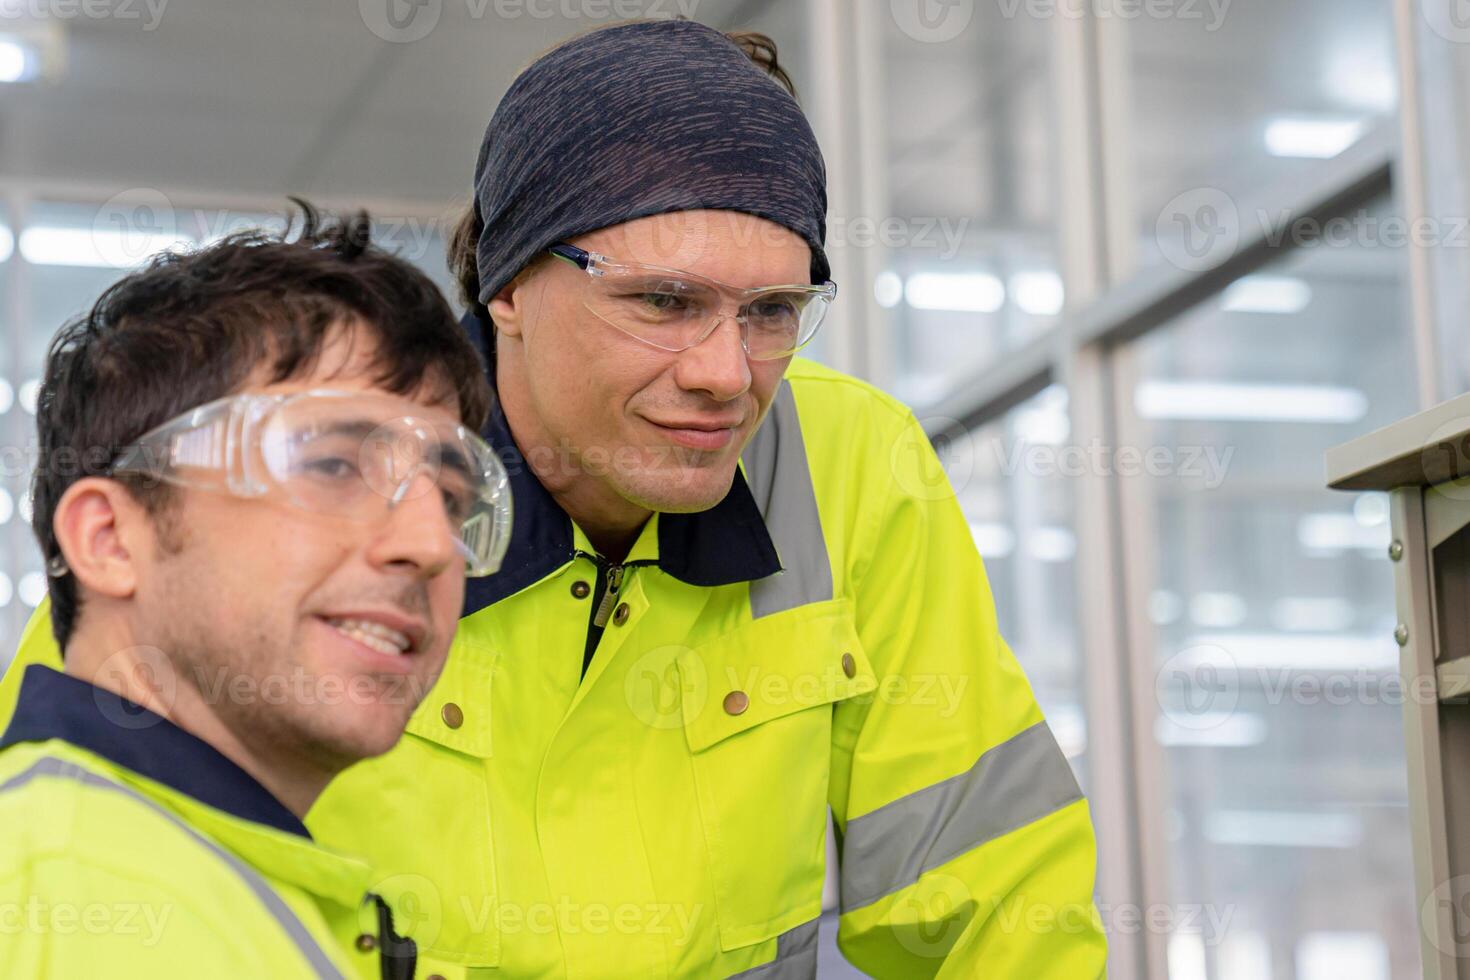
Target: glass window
971, 241
16, 435
1011, 477
1228, 95
1269, 604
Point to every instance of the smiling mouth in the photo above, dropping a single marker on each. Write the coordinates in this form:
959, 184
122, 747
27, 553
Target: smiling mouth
374, 636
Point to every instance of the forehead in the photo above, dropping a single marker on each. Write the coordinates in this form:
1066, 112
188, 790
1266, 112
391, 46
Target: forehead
729, 246
349, 360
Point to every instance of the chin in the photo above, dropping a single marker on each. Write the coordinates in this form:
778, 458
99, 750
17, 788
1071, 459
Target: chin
365, 736
686, 490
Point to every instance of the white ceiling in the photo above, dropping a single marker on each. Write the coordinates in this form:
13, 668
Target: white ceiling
285, 96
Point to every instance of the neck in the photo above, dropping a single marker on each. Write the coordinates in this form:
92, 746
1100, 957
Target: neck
143, 674
611, 522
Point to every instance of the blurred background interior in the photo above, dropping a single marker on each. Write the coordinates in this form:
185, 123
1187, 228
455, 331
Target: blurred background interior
1136, 266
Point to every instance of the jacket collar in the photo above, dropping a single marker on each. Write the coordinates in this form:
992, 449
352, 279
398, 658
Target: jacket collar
55, 705
726, 544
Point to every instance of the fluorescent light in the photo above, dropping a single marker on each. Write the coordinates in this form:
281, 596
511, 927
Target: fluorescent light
1332, 532
1371, 509
963, 292
1244, 954
1164, 607
1043, 419
1231, 402
1186, 952
1317, 139
888, 289
17, 61
1274, 653
1217, 610
1309, 614
1342, 956
29, 392
993, 540
1211, 729
1038, 293
1069, 727
1283, 828
1266, 294
32, 588
26, 510
100, 248
1054, 544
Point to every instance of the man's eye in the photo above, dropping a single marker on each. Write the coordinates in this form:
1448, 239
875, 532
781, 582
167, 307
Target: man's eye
457, 504
663, 302
330, 468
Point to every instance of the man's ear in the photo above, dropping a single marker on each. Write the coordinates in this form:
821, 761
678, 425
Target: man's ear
507, 308
97, 524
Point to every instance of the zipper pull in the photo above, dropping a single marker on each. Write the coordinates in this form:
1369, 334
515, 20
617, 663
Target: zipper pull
610, 597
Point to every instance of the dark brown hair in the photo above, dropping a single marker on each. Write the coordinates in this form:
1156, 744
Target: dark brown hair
465, 238
192, 327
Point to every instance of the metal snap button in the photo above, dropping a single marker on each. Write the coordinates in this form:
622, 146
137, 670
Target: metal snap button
452, 715
736, 702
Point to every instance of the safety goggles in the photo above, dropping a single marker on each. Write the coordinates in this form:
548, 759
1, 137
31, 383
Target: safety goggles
674, 310
346, 454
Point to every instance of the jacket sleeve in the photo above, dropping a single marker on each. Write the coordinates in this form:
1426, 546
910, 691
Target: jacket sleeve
966, 847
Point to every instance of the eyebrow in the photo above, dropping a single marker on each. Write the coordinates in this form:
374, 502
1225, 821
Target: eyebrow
440, 452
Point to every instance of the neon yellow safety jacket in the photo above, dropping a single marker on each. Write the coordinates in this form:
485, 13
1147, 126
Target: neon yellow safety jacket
823, 637
131, 849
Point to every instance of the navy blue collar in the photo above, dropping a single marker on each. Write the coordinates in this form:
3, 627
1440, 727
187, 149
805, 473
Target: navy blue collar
726, 544
55, 705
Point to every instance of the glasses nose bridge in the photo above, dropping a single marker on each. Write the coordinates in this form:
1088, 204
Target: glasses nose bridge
741, 302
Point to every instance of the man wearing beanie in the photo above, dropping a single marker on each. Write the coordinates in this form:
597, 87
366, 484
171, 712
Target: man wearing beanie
739, 590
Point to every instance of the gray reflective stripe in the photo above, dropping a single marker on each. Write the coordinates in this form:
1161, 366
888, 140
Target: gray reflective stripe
781, 482
1013, 784
321, 965
796, 956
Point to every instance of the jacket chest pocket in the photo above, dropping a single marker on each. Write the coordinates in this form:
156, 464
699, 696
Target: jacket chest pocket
757, 710
421, 814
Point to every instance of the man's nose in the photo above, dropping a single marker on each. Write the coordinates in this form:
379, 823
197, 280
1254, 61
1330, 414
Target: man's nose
717, 366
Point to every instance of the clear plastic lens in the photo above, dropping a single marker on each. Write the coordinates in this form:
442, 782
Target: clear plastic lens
345, 454
674, 312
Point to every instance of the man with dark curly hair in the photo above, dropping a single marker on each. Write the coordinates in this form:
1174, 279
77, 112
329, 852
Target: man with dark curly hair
259, 492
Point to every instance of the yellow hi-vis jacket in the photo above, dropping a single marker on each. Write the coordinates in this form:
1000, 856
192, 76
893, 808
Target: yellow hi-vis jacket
825, 636
131, 849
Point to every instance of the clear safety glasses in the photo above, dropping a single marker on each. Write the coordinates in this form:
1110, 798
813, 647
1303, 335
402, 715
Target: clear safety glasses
674, 310
347, 454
